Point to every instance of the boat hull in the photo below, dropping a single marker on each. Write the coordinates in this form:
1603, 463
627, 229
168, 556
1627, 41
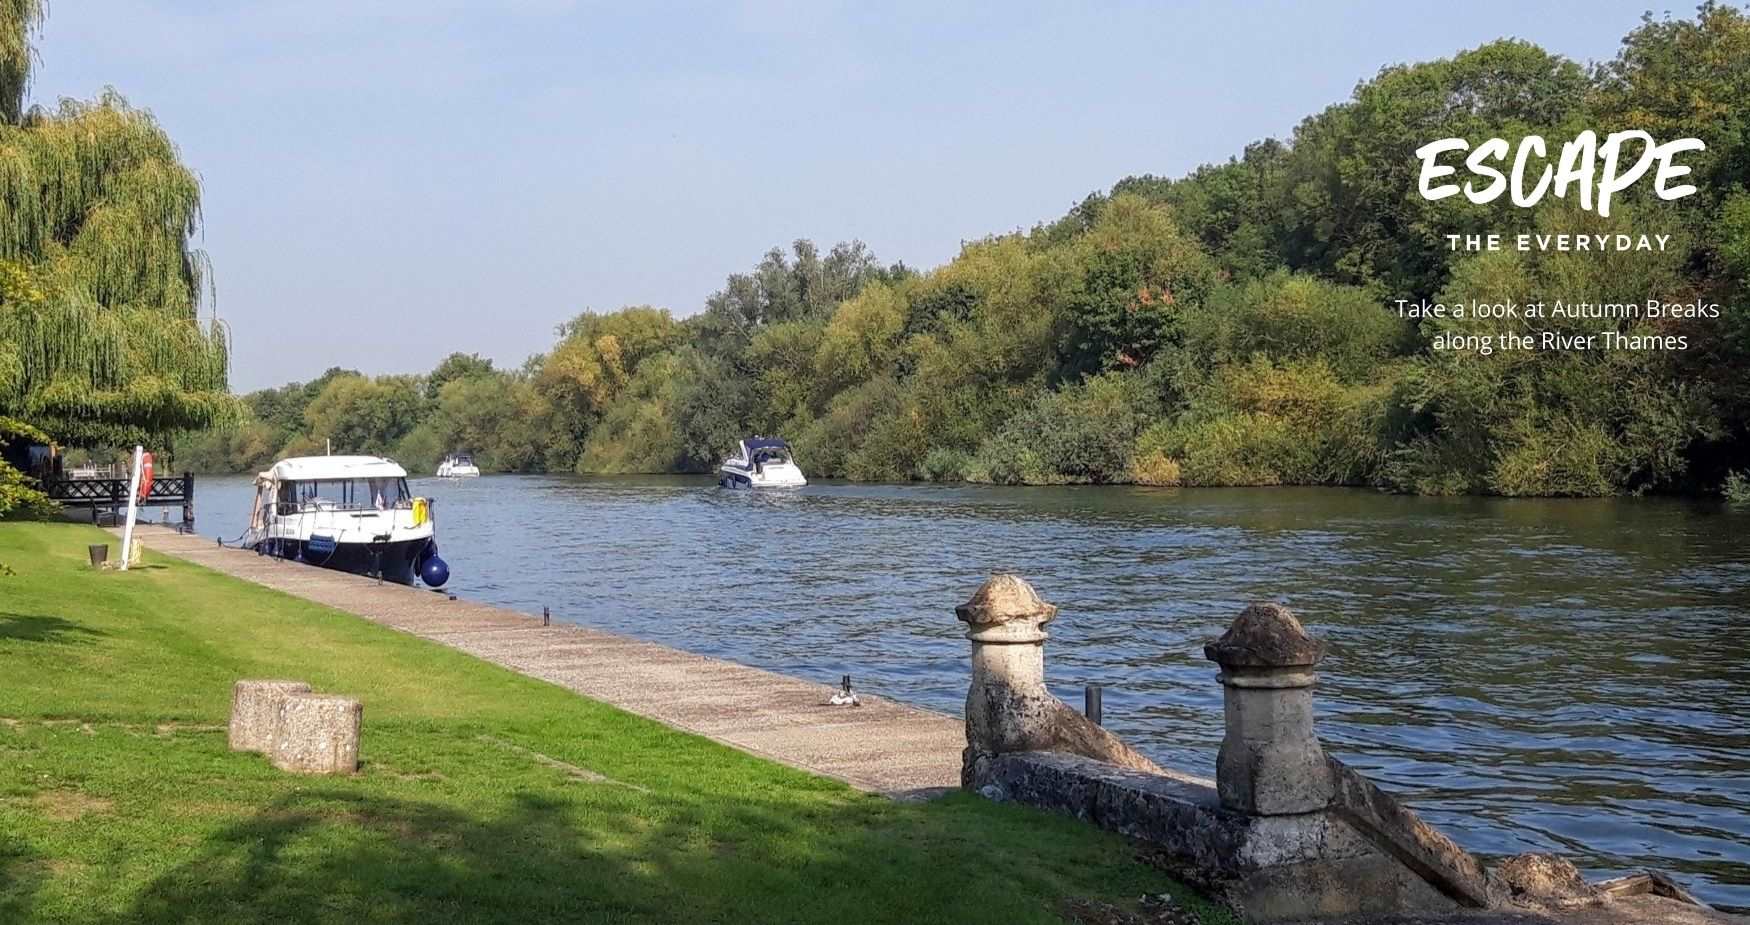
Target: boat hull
399, 561
734, 477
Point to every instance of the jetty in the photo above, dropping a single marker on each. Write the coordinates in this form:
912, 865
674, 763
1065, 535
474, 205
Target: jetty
879, 746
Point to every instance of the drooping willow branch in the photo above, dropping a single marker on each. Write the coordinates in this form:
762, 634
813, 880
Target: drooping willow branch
19, 20
100, 285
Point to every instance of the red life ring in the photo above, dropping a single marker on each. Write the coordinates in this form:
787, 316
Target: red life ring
145, 476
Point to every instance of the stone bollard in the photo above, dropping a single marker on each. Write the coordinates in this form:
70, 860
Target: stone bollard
1271, 762
1008, 708
317, 734
255, 707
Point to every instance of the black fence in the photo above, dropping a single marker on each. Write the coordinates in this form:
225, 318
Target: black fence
109, 497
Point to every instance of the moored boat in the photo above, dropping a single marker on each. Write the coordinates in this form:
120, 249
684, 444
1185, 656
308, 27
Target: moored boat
761, 462
352, 513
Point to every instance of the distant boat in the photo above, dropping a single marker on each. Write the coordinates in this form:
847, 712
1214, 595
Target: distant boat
458, 466
351, 513
761, 462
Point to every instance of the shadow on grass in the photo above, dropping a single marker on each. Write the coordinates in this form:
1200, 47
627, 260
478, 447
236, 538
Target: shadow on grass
40, 628
327, 855
21, 873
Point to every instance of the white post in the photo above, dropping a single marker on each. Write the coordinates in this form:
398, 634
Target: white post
133, 506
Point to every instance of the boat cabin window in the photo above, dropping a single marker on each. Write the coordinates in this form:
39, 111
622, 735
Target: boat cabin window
344, 495
771, 454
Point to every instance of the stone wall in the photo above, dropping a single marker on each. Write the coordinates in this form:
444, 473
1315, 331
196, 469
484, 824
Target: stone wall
1266, 868
1284, 832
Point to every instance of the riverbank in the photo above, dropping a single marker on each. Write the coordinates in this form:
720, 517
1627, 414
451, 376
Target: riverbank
880, 746
1626, 611
485, 796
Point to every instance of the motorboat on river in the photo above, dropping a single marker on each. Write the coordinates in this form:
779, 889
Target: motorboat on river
458, 466
352, 513
761, 462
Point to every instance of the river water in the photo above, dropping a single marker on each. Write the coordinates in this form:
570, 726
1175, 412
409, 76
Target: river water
1530, 675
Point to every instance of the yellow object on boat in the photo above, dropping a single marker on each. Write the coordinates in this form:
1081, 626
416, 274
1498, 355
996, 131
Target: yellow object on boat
421, 511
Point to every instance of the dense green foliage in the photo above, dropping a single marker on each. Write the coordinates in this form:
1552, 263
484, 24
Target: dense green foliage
1233, 327
484, 797
19, 495
100, 289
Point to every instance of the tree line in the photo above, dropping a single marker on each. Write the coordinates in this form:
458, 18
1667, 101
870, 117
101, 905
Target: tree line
1229, 327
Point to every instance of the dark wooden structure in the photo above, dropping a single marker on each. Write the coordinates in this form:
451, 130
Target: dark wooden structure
109, 497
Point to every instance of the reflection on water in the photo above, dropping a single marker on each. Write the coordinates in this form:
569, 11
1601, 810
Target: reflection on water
1534, 675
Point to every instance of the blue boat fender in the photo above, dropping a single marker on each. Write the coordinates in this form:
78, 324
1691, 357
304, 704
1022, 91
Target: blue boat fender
433, 570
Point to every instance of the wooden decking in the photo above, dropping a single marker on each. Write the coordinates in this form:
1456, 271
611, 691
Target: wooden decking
880, 746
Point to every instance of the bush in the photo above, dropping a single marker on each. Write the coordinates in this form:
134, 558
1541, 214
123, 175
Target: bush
1287, 317
826, 444
249, 446
19, 495
423, 448
1549, 456
1267, 424
1230, 450
1427, 465
1154, 467
1083, 434
946, 464
1737, 487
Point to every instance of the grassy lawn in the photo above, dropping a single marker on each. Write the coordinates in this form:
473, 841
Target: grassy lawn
484, 797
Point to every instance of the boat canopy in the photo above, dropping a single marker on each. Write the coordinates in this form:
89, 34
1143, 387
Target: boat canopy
333, 468
763, 443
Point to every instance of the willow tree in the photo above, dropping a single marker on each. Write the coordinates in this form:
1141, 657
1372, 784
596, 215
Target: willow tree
101, 288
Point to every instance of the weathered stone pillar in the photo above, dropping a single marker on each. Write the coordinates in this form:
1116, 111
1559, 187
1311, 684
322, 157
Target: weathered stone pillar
255, 708
1008, 708
1271, 762
317, 734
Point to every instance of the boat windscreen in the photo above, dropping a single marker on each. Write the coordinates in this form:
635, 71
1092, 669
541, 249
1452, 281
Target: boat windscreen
344, 495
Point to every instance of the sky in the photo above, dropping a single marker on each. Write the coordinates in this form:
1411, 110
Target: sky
388, 181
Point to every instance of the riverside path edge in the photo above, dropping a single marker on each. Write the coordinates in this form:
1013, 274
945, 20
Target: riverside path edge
880, 746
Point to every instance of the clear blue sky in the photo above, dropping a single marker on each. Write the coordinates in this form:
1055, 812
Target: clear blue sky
390, 180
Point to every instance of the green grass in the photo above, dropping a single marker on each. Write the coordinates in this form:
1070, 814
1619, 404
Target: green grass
119, 801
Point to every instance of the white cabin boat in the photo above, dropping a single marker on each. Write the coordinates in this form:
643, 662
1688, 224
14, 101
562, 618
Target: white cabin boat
761, 462
352, 513
458, 466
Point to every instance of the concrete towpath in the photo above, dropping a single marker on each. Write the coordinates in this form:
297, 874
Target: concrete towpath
881, 746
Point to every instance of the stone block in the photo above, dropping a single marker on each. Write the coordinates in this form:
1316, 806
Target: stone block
1271, 762
1542, 881
317, 734
255, 708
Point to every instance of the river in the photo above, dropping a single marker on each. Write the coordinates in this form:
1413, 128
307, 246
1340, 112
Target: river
1530, 675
